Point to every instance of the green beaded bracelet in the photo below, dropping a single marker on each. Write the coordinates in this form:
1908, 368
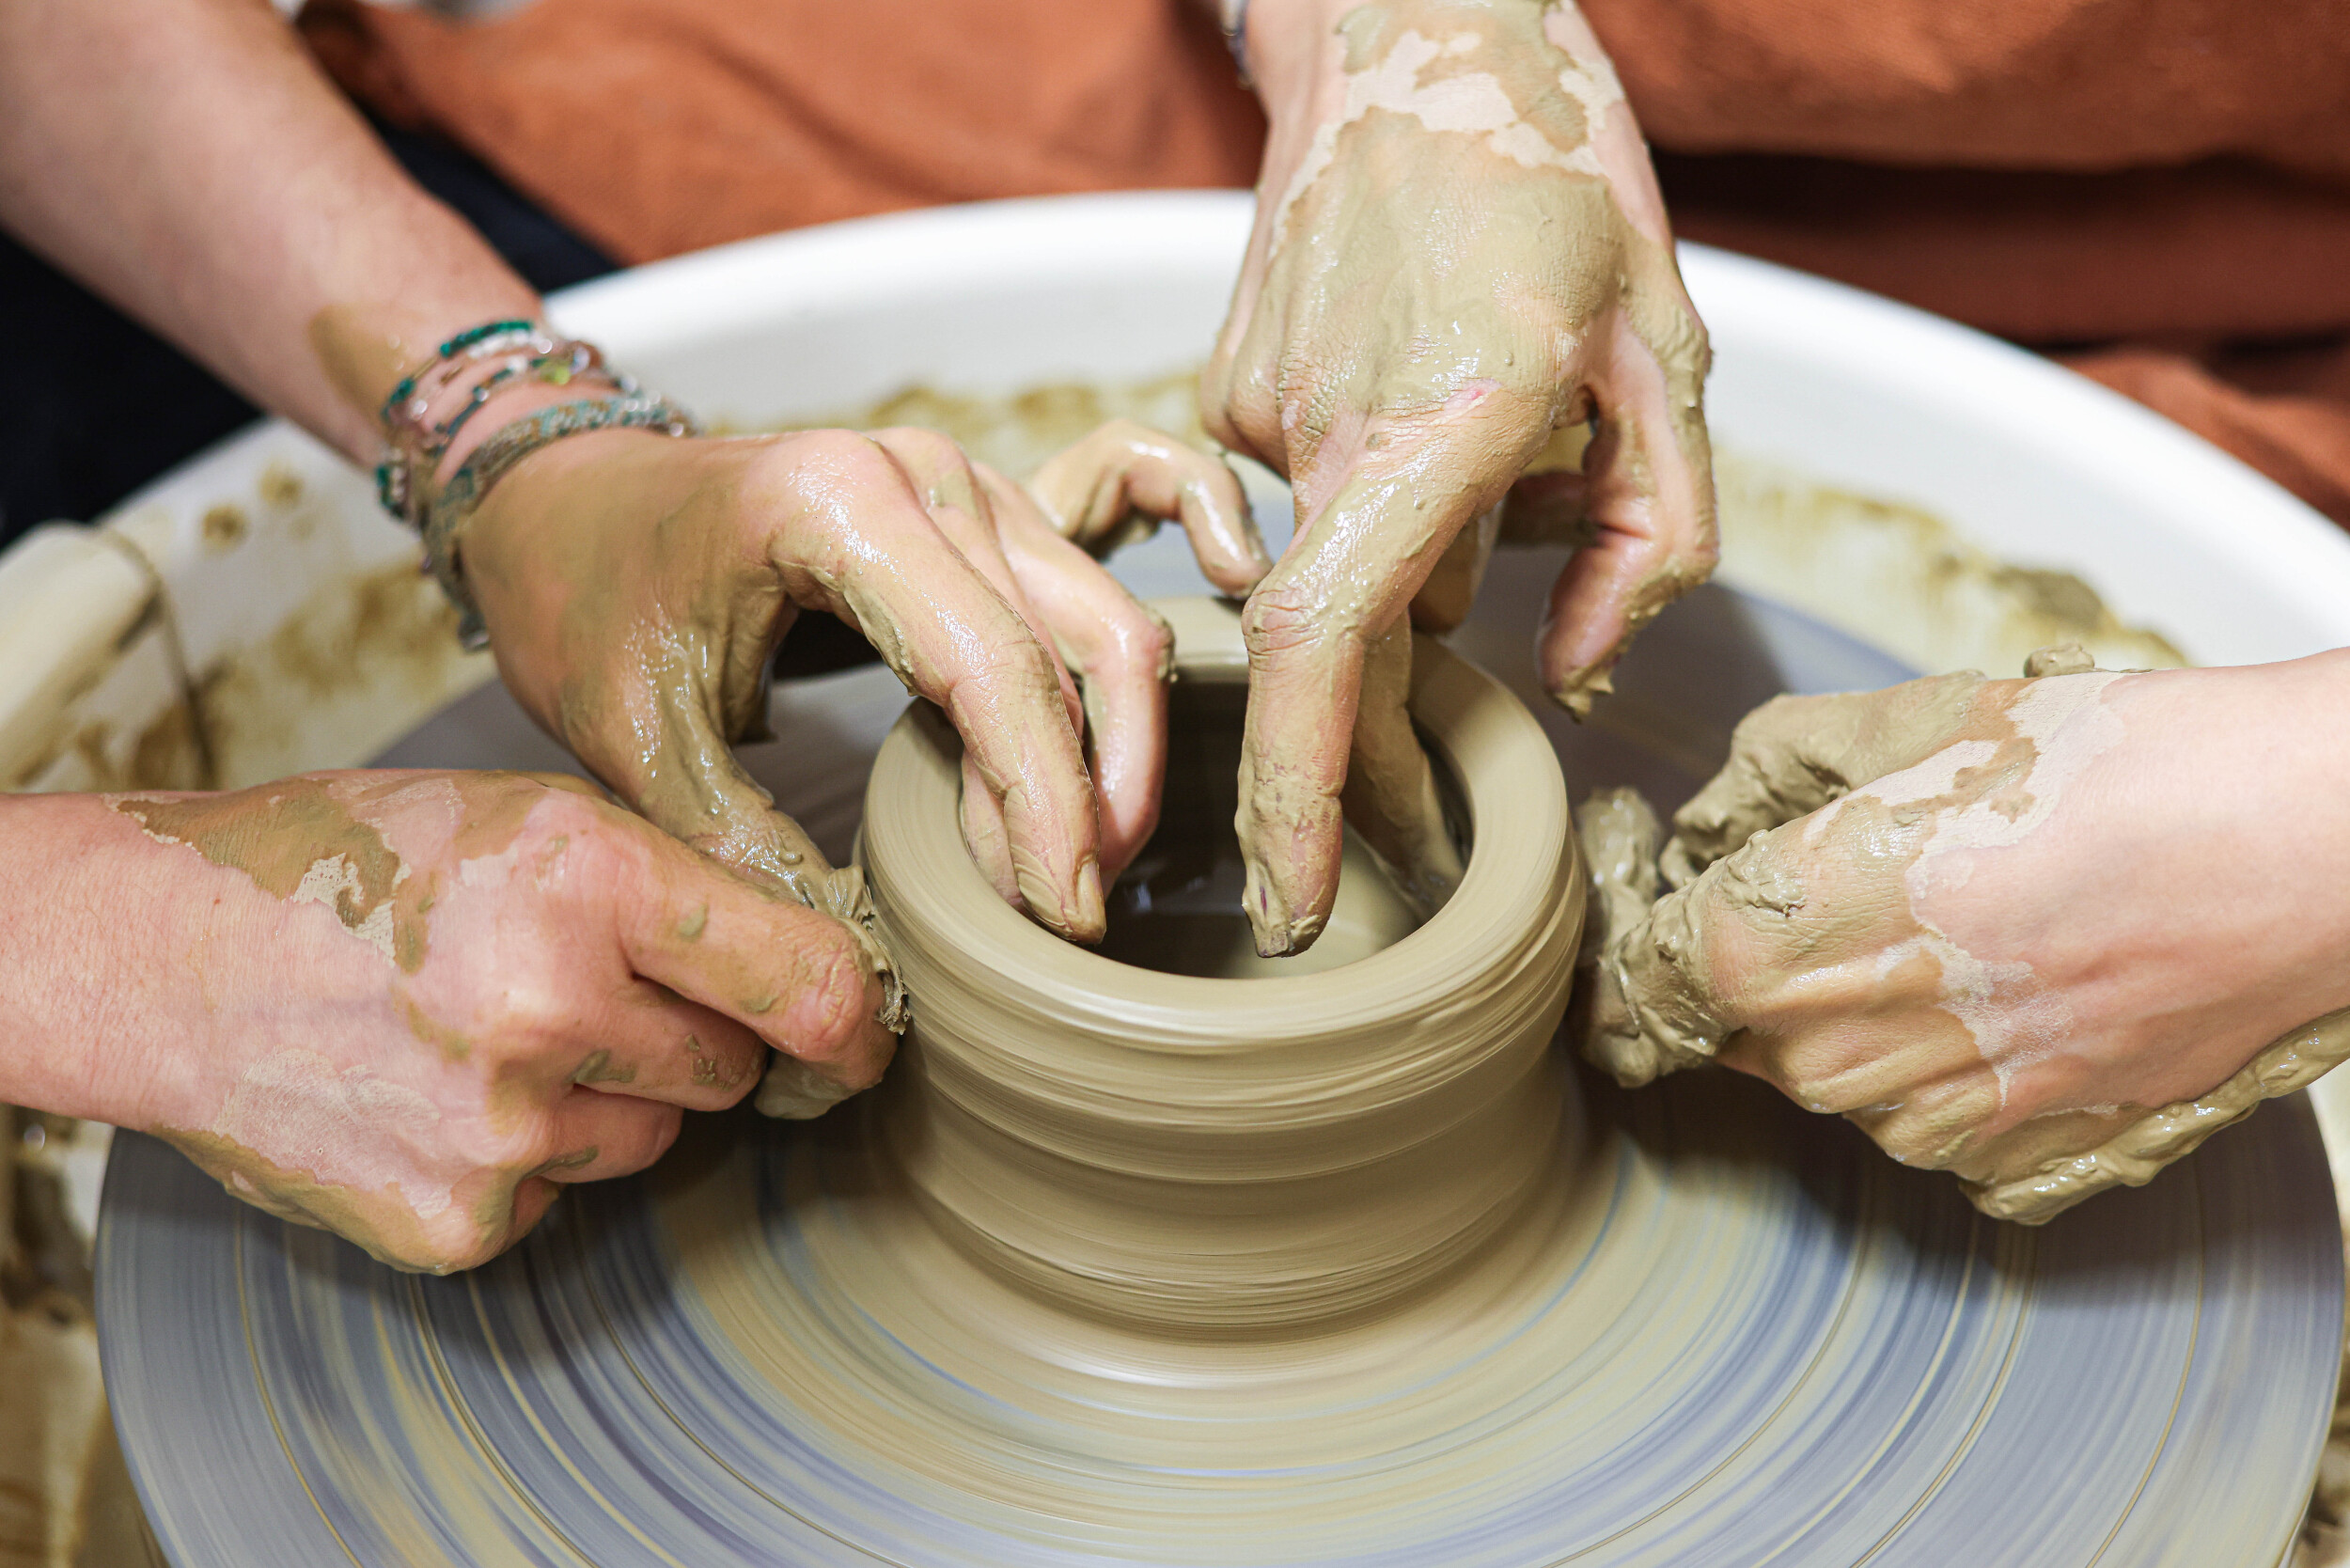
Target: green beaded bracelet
415, 442
447, 351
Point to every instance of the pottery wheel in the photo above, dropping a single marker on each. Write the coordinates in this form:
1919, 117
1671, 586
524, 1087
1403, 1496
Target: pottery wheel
1751, 1339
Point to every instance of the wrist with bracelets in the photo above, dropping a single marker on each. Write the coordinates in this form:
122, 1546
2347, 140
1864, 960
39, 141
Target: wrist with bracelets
433, 404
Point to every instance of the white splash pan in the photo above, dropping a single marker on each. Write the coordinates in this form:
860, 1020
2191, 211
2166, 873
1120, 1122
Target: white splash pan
2034, 464
2029, 461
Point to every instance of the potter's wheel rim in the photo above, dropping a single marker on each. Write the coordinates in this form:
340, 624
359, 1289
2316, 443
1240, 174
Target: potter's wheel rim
2027, 459
221, 1424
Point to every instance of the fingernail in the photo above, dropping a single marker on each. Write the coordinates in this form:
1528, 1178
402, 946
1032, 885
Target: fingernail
794, 1091
1270, 928
1088, 920
1576, 695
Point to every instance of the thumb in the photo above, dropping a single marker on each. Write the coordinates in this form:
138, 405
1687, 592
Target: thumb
1664, 990
694, 789
1658, 997
800, 979
1649, 1006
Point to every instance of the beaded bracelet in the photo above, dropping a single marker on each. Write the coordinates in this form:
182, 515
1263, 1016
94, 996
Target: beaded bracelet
569, 362
446, 518
487, 337
416, 443
405, 415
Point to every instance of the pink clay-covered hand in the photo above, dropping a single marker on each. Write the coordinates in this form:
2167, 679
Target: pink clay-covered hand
2046, 934
1459, 251
405, 1006
636, 586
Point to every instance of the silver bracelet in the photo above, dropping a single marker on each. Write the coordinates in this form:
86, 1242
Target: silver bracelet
1232, 16
445, 520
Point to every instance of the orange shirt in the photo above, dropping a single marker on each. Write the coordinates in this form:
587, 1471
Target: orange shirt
2159, 175
658, 126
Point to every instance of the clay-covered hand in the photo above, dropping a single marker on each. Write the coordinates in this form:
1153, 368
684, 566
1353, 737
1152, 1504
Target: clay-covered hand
1460, 252
2046, 933
407, 1006
1115, 486
636, 586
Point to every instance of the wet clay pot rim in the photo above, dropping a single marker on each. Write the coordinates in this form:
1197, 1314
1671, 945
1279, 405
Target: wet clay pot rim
1006, 1012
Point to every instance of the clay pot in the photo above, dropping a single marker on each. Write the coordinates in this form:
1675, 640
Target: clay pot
1212, 1155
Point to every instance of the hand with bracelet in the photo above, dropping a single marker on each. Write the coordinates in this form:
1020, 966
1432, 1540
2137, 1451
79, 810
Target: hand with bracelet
634, 585
404, 1006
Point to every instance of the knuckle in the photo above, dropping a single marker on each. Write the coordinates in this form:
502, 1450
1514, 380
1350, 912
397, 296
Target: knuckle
1782, 715
1557, 329
1692, 563
912, 441
1684, 350
489, 1151
835, 983
566, 784
612, 850
587, 850
941, 472
471, 1252
462, 1237
1279, 621
1149, 641
1019, 662
783, 471
1253, 407
656, 1131
1694, 340
1125, 440
570, 814
527, 1016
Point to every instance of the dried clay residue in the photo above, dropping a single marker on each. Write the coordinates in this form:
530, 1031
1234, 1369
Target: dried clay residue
1016, 431
362, 661
167, 753
1924, 778
1901, 578
299, 842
